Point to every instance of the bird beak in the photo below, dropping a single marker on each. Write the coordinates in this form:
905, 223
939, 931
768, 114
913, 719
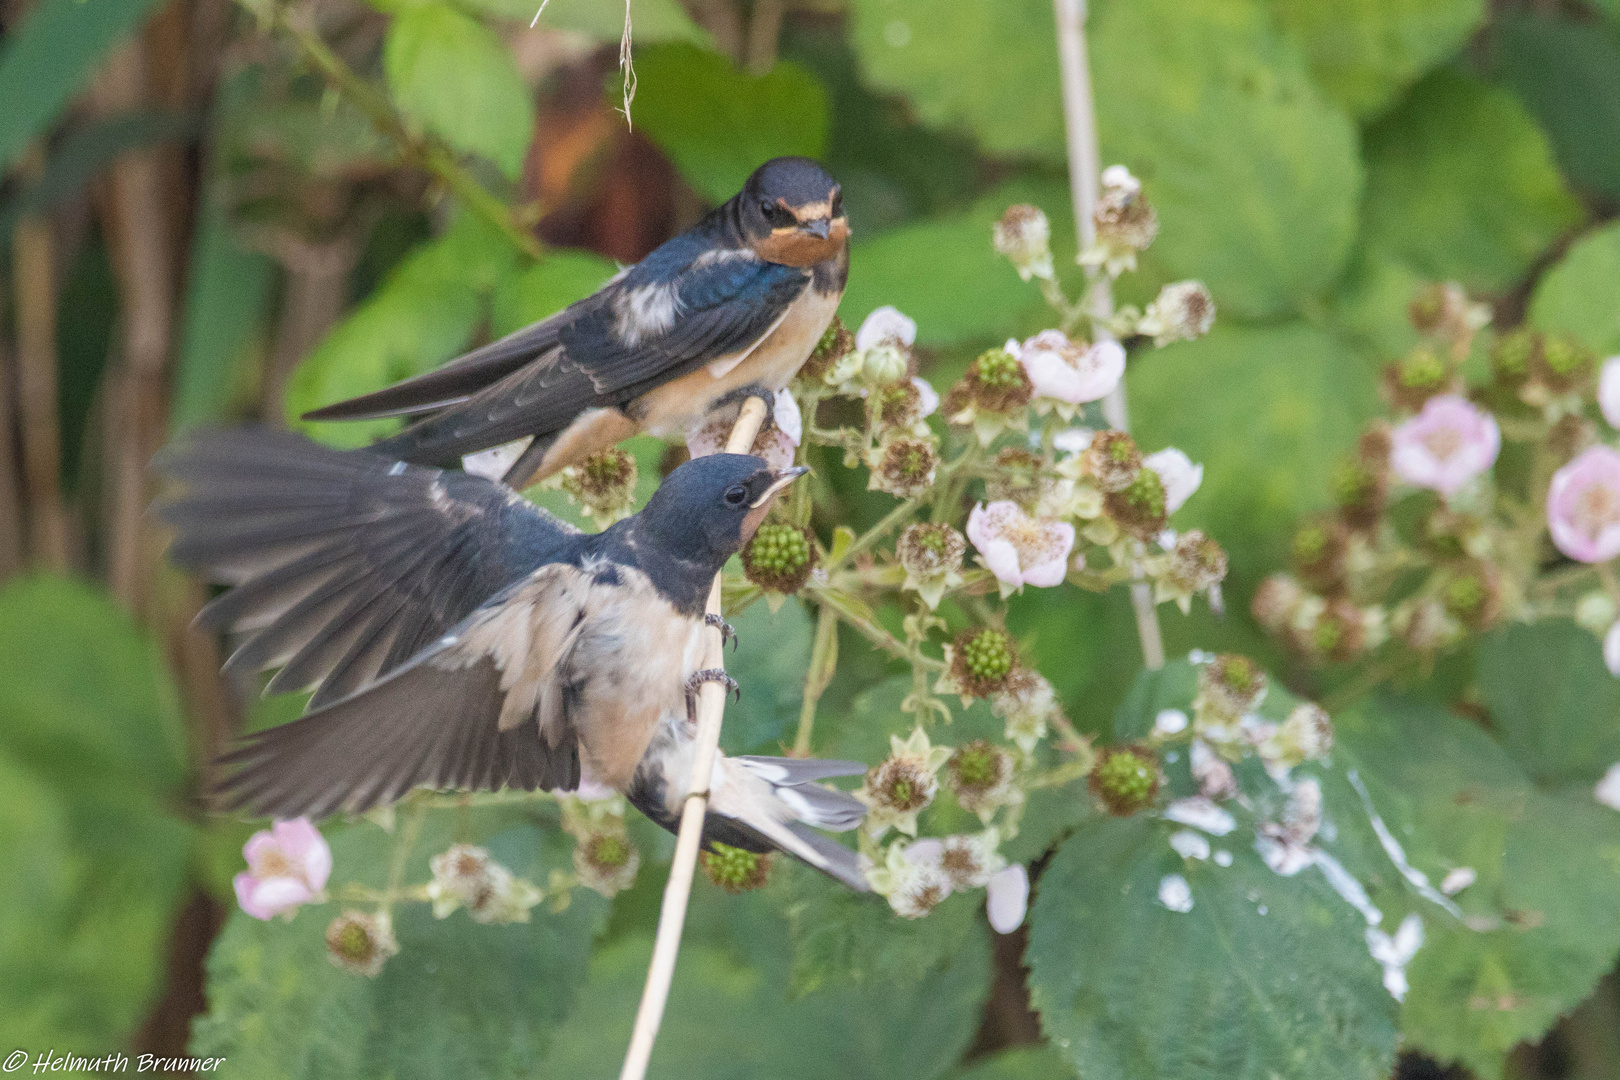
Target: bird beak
818, 228
782, 480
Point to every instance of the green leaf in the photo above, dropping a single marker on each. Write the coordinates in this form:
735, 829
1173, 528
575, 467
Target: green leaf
84, 697
545, 288
47, 58
987, 69
227, 303
422, 315
1565, 72
1019, 1063
944, 273
772, 655
719, 124
1372, 303
1462, 186
1170, 687
1266, 976
460, 999
91, 760
1363, 53
730, 1016
1256, 178
1268, 411
1554, 703
1548, 866
455, 78
1578, 294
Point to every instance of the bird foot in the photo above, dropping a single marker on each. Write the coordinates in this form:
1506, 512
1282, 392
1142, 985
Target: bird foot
727, 631
697, 680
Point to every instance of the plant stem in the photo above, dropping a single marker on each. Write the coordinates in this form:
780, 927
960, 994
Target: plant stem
425, 152
823, 662
711, 710
1080, 118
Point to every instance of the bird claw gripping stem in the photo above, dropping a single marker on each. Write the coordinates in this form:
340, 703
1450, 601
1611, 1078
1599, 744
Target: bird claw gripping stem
697, 680
727, 631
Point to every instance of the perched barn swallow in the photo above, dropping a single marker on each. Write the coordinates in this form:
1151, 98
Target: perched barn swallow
456, 636
735, 303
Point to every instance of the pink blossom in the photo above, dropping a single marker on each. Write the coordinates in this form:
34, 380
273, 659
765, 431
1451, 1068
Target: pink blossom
1060, 369
1609, 391
1583, 506
288, 865
1446, 445
886, 326
1020, 550
1007, 898
777, 442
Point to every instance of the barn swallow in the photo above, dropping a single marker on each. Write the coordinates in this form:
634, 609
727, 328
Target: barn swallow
457, 636
735, 303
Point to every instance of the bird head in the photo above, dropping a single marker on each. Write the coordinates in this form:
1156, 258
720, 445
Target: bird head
707, 509
792, 212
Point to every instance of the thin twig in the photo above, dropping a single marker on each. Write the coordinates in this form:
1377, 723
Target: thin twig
711, 710
34, 277
423, 151
1080, 116
823, 662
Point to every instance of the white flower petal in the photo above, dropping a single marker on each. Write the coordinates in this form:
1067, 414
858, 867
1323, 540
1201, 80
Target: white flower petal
1609, 391
1007, 899
787, 417
1175, 893
1607, 791
1181, 478
886, 324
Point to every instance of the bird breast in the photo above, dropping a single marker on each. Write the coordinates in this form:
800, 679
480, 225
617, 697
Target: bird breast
628, 673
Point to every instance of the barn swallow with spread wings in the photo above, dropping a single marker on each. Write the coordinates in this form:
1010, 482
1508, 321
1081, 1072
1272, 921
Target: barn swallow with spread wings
458, 637
736, 303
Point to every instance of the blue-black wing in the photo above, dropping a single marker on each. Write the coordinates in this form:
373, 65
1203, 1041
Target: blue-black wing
687, 304
345, 565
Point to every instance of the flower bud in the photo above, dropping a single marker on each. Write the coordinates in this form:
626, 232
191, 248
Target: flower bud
904, 467
1336, 632
1563, 364
780, 557
1513, 357
1361, 490
1596, 611
735, 870
604, 484
1183, 311
360, 943
883, 365
982, 661
1125, 779
1024, 237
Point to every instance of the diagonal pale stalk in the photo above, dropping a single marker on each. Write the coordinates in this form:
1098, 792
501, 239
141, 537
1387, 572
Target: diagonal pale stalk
1085, 168
711, 709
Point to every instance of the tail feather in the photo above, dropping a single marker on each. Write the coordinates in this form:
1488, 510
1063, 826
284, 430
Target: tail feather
777, 801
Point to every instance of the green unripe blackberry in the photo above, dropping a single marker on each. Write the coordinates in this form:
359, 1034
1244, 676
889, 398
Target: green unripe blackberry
780, 557
994, 382
734, 869
1139, 508
983, 660
1125, 779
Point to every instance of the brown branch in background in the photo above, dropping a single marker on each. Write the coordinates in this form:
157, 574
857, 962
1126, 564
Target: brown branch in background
316, 293
764, 29
135, 221
723, 21
34, 278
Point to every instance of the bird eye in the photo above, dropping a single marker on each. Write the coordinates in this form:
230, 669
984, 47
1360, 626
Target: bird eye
778, 215
736, 494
